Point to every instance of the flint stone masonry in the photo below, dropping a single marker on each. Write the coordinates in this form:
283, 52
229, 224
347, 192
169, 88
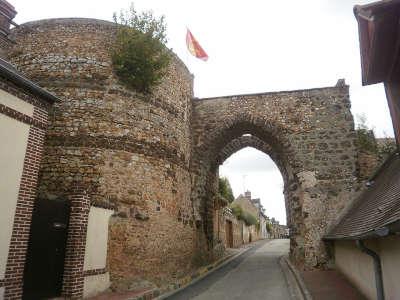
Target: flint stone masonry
309, 134
154, 158
130, 151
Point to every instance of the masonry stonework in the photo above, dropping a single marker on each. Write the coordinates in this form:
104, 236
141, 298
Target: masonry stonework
309, 134
222, 218
131, 151
154, 158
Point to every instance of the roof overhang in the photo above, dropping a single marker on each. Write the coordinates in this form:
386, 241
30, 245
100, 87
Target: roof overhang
379, 29
390, 229
376, 211
9, 72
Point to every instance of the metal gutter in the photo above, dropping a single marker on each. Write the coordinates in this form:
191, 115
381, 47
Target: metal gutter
8, 72
380, 294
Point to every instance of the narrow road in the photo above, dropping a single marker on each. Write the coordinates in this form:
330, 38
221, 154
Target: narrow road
254, 275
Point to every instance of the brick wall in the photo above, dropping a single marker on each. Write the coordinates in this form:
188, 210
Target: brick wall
27, 191
75, 249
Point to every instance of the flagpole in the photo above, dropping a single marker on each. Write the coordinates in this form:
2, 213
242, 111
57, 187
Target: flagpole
186, 14
187, 51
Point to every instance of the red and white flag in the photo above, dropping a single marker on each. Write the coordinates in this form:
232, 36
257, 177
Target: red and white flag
194, 47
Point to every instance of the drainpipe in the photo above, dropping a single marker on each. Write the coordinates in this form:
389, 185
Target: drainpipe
377, 268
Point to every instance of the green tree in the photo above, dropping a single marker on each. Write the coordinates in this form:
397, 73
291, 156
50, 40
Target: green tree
365, 136
225, 190
139, 55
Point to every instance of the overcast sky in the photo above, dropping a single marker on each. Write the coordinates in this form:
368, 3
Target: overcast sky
254, 46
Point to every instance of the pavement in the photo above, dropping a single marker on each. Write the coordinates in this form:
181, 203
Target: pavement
258, 271
329, 285
256, 274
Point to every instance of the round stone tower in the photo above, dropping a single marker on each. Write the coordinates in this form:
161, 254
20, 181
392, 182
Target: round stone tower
130, 151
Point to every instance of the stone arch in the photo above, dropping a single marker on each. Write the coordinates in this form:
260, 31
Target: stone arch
257, 143
310, 136
232, 136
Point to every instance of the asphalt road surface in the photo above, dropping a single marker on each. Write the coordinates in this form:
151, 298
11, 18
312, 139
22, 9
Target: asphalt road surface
256, 274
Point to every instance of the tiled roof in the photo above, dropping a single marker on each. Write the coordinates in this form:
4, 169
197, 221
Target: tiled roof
376, 208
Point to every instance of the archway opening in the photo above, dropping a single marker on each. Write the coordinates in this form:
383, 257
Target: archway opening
220, 144
251, 170
255, 209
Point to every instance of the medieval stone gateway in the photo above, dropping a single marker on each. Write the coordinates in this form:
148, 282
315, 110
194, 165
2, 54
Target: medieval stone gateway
310, 136
153, 159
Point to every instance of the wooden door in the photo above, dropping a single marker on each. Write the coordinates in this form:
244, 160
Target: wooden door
44, 267
229, 234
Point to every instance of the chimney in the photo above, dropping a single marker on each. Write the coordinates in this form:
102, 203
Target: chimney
7, 14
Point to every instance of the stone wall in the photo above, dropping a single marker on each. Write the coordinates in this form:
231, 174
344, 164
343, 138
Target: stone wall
308, 133
369, 160
130, 151
221, 217
367, 163
154, 158
250, 234
241, 233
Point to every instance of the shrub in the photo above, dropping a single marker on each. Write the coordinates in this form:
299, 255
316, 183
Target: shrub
246, 217
386, 148
249, 219
225, 190
139, 55
268, 226
237, 211
366, 140
365, 136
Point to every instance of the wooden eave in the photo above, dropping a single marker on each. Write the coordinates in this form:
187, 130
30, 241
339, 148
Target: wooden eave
379, 29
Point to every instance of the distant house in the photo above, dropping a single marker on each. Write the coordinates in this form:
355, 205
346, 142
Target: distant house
246, 203
262, 218
366, 243
278, 231
250, 233
263, 226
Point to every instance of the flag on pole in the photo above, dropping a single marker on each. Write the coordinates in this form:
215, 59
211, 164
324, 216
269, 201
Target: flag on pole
194, 47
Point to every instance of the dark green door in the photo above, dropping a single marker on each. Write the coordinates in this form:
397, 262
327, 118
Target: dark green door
44, 267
